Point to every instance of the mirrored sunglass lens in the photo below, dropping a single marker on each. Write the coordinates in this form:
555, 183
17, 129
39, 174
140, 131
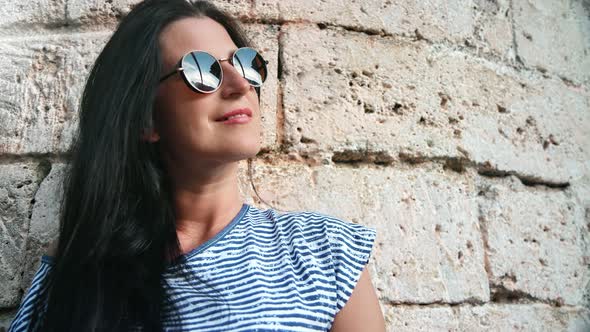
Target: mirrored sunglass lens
202, 71
250, 65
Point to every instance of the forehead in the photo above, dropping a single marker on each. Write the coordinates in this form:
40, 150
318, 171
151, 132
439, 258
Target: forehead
193, 33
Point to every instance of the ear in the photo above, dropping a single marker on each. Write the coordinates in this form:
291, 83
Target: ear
150, 135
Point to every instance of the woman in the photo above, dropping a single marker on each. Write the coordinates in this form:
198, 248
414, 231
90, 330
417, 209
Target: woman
154, 234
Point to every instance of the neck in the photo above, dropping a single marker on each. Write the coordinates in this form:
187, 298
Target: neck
205, 203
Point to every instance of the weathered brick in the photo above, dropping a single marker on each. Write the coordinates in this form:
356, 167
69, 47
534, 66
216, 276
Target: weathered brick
236, 8
537, 241
428, 245
434, 20
18, 183
482, 24
15, 15
93, 12
44, 226
555, 36
345, 92
436, 245
42, 82
107, 13
488, 317
493, 28
41, 16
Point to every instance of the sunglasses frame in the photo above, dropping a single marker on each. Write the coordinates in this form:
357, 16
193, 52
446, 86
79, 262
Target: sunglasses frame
180, 70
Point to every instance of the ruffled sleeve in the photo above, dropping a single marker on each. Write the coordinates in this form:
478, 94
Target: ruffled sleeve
35, 293
351, 246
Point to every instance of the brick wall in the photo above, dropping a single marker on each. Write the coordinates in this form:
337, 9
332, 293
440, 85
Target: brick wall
459, 129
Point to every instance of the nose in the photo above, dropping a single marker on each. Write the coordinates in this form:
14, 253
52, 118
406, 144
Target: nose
234, 84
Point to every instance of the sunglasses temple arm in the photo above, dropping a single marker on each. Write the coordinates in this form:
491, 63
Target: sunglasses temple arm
170, 74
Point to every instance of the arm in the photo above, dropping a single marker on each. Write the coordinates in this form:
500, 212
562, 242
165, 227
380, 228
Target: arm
362, 311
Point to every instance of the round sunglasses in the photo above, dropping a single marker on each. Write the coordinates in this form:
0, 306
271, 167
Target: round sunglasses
202, 72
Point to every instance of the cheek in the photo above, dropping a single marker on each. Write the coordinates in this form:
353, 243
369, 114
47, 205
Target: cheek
160, 113
180, 120
166, 116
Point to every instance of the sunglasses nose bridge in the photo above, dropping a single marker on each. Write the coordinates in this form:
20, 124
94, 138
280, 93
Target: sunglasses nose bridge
230, 60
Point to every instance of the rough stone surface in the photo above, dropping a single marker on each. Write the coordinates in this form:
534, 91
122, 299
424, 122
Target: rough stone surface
42, 82
16, 15
44, 226
18, 183
96, 12
348, 94
93, 12
555, 36
420, 215
488, 317
493, 28
537, 241
482, 25
435, 20
580, 193
42, 17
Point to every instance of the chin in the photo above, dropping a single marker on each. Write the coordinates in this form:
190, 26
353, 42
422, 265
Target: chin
253, 152
245, 152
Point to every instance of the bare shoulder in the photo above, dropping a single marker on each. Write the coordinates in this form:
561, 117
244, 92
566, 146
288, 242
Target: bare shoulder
52, 249
362, 311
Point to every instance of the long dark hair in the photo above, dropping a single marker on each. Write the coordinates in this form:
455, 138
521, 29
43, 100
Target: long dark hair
117, 230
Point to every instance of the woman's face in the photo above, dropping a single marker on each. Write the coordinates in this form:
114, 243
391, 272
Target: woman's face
185, 121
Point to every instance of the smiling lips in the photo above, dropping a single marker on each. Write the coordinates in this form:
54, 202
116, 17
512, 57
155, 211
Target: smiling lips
242, 114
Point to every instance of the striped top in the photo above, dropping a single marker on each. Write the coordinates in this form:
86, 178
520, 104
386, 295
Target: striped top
265, 271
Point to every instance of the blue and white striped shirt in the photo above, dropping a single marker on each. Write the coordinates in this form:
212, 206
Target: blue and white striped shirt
265, 271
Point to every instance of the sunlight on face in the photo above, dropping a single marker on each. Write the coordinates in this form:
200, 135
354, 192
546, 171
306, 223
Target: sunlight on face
186, 120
